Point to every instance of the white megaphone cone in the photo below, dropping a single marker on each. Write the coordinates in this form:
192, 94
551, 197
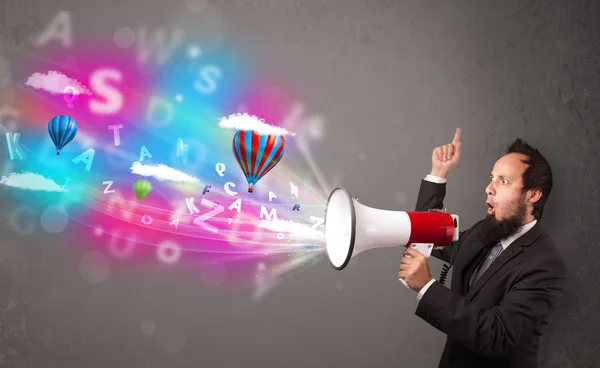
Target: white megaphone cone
352, 228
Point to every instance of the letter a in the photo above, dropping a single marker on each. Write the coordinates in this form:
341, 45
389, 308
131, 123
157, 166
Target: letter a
271, 196
144, 152
237, 205
59, 28
87, 157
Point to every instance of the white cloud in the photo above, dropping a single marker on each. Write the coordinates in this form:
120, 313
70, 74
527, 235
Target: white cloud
293, 228
250, 122
161, 172
55, 83
31, 181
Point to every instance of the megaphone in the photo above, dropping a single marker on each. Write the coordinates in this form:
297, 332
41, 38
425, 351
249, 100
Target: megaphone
352, 228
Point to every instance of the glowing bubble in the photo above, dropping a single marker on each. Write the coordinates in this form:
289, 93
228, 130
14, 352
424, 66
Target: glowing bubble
362, 157
124, 37
148, 327
94, 267
24, 227
194, 52
213, 274
168, 252
196, 6
121, 248
54, 219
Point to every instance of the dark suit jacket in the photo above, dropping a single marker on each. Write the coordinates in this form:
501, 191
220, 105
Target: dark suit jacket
499, 321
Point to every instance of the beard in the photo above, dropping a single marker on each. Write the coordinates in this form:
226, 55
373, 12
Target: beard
494, 230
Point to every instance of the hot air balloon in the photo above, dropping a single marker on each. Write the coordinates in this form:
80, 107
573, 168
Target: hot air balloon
257, 153
62, 130
142, 188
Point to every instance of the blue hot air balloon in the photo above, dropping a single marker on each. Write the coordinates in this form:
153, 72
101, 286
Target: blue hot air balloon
62, 130
257, 153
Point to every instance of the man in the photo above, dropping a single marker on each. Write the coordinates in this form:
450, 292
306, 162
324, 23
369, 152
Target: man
507, 272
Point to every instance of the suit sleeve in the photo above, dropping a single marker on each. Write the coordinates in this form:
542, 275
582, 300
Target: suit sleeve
431, 196
494, 332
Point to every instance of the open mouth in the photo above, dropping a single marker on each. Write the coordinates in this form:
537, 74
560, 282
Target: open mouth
490, 208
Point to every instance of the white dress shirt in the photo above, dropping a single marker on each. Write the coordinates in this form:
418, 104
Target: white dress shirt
505, 242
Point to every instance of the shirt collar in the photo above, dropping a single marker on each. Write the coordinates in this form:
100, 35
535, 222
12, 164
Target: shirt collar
522, 230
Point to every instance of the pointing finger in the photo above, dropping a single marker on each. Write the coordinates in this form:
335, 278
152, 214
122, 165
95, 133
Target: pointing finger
456, 139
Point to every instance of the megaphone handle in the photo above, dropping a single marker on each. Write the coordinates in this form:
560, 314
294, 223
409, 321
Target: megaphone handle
424, 249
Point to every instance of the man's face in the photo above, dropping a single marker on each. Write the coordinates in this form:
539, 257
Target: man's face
507, 207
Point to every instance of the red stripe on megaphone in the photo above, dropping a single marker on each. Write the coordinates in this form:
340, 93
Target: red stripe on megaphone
431, 227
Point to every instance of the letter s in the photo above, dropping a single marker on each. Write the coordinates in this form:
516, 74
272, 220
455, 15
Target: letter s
113, 97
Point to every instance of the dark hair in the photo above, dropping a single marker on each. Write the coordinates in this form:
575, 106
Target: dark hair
537, 174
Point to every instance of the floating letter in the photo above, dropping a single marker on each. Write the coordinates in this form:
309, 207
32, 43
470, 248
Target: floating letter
87, 157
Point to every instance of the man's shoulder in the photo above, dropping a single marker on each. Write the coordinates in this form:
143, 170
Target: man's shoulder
544, 250
545, 243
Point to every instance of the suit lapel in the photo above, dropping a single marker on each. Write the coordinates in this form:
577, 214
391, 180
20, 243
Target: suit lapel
504, 257
509, 253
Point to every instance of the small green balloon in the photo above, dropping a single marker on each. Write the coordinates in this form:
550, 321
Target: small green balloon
142, 188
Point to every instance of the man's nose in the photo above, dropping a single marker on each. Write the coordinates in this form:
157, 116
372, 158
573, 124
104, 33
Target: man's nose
489, 190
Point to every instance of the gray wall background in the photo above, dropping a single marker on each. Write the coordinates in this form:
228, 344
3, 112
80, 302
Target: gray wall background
393, 79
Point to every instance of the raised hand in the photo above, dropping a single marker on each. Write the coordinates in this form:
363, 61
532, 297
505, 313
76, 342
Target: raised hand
444, 158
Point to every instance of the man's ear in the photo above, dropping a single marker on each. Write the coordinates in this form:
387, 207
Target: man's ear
534, 195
